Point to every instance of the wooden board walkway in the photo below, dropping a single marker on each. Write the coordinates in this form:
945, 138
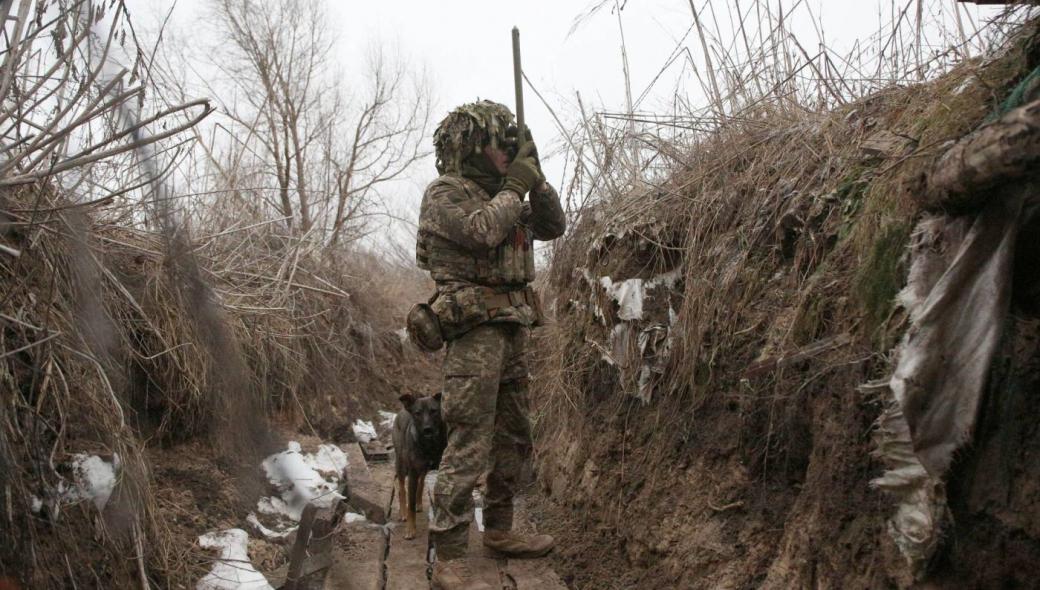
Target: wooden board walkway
358, 560
369, 557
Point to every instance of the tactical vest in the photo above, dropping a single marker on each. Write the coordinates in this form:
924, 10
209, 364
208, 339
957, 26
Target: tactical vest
509, 263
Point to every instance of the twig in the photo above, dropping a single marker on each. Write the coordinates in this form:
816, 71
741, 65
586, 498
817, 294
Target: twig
12, 252
86, 158
34, 344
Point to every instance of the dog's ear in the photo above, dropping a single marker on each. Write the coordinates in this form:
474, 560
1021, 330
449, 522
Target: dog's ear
437, 396
407, 400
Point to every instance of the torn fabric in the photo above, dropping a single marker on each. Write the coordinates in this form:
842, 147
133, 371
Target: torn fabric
955, 329
957, 295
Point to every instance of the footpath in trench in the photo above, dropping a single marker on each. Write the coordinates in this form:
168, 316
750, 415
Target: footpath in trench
366, 556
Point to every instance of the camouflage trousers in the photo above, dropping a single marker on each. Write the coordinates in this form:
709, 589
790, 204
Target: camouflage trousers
485, 409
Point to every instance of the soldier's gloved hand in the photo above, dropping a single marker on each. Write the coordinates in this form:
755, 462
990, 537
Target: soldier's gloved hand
523, 173
513, 140
513, 143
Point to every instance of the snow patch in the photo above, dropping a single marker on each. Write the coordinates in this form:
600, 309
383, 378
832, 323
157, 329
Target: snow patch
352, 517
364, 431
301, 478
478, 510
94, 480
233, 570
387, 421
267, 533
964, 86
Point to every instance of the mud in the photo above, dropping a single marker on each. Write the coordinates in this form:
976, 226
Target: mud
749, 464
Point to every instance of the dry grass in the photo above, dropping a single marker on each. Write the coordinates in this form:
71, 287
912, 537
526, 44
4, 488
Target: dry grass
119, 330
789, 234
107, 347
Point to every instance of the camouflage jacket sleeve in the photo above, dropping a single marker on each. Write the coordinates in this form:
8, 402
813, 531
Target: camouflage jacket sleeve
547, 220
451, 212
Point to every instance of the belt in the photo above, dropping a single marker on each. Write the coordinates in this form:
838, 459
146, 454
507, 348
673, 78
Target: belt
495, 300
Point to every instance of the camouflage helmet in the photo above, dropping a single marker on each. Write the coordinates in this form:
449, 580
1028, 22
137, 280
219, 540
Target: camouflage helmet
466, 130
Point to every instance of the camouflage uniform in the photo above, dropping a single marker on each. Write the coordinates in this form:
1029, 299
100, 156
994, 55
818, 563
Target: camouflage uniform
476, 247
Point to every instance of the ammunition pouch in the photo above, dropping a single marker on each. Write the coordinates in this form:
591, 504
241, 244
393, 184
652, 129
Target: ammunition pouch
462, 310
526, 296
424, 327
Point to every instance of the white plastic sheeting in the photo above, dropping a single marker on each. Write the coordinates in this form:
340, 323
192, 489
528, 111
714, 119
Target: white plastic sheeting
232, 570
639, 343
957, 296
95, 479
299, 478
364, 431
629, 293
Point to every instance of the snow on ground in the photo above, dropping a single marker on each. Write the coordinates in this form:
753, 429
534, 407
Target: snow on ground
93, 479
299, 478
478, 509
364, 431
269, 534
387, 419
232, 570
352, 517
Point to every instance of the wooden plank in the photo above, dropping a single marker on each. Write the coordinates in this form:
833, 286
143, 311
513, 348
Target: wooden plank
359, 564
375, 451
406, 561
533, 574
885, 144
360, 548
299, 551
365, 494
484, 562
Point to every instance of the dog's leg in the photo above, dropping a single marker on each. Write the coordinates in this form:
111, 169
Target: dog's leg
402, 503
412, 481
420, 491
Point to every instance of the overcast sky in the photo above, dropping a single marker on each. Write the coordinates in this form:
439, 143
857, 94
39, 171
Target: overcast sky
466, 48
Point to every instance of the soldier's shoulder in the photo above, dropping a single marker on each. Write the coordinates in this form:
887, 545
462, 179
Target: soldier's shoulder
450, 186
446, 181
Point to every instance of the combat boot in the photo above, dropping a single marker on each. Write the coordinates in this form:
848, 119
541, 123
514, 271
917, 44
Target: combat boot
517, 544
456, 575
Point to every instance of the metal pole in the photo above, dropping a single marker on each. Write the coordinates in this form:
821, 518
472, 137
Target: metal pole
518, 83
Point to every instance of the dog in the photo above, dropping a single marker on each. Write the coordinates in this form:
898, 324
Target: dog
419, 439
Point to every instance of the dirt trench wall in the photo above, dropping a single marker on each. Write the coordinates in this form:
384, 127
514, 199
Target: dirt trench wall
107, 353
723, 436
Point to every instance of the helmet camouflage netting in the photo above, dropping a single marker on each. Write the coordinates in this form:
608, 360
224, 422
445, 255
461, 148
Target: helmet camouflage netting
466, 130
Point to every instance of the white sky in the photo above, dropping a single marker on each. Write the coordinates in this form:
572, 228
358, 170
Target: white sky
466, 48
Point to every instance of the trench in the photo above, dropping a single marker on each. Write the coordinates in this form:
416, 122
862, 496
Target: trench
406, 564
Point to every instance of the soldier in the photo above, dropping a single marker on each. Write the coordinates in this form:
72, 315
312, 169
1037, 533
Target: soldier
476, 232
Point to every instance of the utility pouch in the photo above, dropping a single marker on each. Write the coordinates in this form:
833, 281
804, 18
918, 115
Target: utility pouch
534, 300
423, 326
460, 311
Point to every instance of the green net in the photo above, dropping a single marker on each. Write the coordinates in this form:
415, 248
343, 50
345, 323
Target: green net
1018, 94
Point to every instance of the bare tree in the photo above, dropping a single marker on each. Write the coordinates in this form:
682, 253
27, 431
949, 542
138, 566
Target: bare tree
293, 121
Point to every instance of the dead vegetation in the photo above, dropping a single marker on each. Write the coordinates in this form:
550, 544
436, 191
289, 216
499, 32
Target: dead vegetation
169, 287
720, 437
135, 316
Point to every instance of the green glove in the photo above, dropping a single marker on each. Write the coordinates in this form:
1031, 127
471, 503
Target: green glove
523, 173
513, 142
